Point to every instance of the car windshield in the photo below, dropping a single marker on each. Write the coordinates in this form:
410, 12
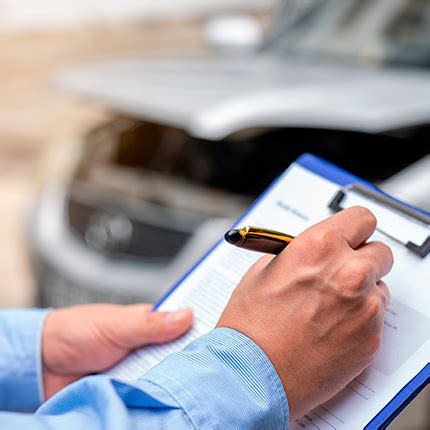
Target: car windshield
386, 32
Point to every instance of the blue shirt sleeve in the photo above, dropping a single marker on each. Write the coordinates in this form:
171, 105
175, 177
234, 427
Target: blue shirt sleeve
20, 355
221, 380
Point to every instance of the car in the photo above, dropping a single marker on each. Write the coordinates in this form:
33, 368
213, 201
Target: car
194, 140
341, 65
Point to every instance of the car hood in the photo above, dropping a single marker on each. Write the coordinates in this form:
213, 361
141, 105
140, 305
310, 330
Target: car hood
213, 98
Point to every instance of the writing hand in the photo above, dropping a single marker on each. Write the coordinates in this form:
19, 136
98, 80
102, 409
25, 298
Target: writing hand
317, 308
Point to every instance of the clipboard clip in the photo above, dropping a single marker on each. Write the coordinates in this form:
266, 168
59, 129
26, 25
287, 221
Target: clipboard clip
388, 205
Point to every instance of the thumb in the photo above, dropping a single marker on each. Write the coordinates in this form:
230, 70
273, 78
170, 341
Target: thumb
139, 326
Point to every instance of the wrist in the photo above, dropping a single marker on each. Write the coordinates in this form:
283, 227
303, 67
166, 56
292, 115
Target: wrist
52, 378
47, 342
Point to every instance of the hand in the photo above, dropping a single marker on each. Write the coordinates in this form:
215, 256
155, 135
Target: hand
317, 308
85, 339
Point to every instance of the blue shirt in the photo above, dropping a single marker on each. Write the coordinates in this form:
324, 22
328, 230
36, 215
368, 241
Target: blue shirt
222, 380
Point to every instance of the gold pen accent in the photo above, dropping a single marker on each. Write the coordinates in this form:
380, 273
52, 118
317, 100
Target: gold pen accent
259, 239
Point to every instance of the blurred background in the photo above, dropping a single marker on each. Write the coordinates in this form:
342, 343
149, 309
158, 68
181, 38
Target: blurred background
122, 125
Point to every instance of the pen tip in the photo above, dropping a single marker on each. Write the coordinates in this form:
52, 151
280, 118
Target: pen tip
233, 236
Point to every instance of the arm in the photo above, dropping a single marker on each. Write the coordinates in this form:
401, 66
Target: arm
316, 310
222, 380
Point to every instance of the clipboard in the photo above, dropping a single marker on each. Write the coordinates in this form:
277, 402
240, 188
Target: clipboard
343, 186
349, 182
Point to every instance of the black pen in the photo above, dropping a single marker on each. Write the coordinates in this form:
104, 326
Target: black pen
259, 239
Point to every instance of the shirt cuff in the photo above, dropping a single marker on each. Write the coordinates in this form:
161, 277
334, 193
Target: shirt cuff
21, 385
223, 380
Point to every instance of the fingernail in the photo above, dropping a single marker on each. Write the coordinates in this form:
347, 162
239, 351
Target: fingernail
176, 316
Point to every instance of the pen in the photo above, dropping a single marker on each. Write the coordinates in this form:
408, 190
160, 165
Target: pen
259, 239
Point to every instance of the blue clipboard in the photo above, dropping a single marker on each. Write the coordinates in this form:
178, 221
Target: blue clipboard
416, 385
337, 175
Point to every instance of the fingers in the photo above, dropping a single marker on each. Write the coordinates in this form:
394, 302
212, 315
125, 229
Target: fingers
141, 327
355, 225
379, 256
160, 327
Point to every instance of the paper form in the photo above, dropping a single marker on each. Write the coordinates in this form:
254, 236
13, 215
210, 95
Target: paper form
298, 200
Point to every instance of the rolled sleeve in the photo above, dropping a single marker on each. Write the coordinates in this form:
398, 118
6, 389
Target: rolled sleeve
20, 359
